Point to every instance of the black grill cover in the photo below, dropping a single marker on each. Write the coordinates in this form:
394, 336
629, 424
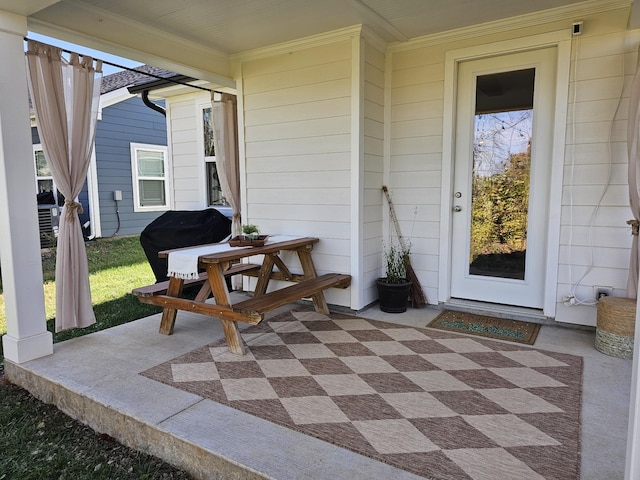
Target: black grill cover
176, 229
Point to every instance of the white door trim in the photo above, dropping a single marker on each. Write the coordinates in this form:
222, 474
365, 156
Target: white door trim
562, 41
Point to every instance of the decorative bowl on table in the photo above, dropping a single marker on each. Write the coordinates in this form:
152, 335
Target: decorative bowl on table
248, 241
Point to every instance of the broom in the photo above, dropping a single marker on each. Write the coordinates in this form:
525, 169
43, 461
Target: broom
418, 298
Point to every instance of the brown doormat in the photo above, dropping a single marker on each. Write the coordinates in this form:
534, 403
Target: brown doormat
485, 326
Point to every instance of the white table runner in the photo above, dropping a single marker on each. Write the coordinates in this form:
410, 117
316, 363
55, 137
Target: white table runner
184, 263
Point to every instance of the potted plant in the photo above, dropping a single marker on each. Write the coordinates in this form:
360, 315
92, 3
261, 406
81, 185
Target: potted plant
393, 290
250, 232
250, 237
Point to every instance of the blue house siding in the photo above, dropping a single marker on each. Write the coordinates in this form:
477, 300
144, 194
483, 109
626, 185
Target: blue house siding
83, 197
127, 122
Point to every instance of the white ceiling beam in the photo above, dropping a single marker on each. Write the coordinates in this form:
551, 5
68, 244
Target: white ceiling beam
378, 20
25, 7
117, 35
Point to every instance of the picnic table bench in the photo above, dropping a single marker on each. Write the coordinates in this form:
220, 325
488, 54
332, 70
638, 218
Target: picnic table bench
220, 261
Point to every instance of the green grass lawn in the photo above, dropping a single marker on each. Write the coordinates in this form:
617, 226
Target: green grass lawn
116, 266
38, 441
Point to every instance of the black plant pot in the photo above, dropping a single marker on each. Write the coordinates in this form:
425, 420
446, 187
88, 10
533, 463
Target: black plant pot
393, 297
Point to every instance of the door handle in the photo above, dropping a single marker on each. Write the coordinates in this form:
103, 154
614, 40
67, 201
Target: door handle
457, 208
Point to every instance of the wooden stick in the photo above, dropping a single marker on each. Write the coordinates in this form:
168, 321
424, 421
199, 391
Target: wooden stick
418, 298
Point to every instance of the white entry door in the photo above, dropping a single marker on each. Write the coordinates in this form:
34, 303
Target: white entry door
504, 128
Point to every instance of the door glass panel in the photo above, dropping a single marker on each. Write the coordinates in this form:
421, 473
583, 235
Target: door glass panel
501, 173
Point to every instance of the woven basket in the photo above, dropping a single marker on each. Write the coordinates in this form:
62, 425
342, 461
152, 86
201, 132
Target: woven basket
616, 326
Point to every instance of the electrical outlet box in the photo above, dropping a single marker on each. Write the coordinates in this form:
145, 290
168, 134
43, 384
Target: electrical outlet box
602, 291
117, 195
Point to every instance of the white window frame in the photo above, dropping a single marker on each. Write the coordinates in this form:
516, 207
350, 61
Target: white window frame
135, 147
38, 148
208, 160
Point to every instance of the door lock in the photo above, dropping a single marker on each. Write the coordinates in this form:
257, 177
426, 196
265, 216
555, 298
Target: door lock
457, 208
457, 194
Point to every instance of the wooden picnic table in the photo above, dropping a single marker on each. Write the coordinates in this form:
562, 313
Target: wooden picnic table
222, 260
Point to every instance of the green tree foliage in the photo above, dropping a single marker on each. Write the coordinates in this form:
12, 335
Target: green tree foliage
500, 208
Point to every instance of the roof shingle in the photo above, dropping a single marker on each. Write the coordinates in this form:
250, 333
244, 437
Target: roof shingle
127, 78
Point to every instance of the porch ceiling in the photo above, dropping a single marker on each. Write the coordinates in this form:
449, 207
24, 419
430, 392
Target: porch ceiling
188, 36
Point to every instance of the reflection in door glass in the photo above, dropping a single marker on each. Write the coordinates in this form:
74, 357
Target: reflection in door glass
501, 174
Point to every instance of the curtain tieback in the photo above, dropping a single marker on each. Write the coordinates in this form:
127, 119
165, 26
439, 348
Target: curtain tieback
71, 207
635, 226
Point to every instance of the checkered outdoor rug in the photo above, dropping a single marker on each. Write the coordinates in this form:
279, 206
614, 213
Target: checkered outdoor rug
438, 404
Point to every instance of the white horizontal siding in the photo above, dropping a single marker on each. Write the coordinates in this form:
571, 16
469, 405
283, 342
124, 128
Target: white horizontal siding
418, 110
417, 92
298, 60
307, 180
325, 108
417, 127
268, 196
598, 88
340, 88
187, 160
594, 238
297, 77
292, 147
372, 149
614, 195
373, 170
595, 153
299, 128
417, 162
425, 92
186, 150
598, 110
597, 132
374, 128
297, 132
286, 212
604, 256
417, 145
567, 275
593, 174
586, 153
603, 216
418, 75
316, 162
185, 174
416, 179
306, 228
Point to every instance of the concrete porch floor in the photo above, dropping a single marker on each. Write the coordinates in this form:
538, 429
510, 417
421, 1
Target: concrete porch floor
96, 380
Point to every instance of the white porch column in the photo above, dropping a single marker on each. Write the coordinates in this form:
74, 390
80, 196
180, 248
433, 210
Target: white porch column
27, 336
632, 471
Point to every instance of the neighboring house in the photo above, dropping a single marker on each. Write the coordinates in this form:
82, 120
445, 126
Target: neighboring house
193, 167
127, 183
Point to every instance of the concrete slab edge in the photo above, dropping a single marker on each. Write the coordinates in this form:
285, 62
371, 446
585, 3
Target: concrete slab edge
131, 432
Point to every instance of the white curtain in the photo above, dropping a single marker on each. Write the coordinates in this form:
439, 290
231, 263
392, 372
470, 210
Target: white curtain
65, 96
633, 125
225, 141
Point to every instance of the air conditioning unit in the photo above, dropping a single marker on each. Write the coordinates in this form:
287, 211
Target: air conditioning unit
48, 224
